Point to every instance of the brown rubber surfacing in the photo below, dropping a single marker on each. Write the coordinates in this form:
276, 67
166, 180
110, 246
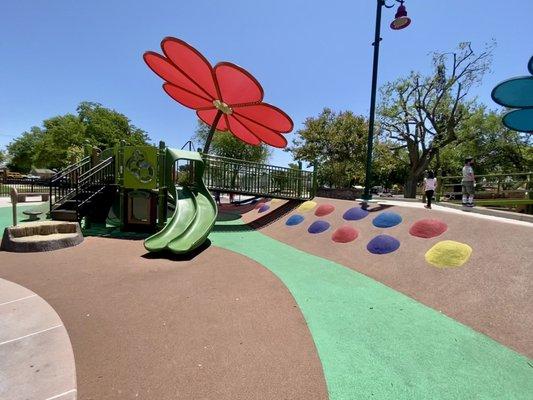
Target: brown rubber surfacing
219, 326
490, 293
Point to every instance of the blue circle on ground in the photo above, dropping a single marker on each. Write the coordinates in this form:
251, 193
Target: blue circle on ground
387, 220
318, 227
354, 214
383, 244
263, 208
294, 220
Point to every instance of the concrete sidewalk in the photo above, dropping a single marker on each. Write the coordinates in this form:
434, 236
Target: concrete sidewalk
36, 357
476, 212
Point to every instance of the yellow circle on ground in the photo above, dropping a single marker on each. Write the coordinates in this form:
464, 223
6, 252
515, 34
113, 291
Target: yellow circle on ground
448, 254
306, 206
276, 201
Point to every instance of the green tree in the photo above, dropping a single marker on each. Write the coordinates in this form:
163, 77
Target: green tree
336, 143
61, 143
424, 114
225, 144
23, 149
106, 127
495, 148
61, 140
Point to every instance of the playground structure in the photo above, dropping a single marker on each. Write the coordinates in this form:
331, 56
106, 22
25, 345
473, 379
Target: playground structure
150, 189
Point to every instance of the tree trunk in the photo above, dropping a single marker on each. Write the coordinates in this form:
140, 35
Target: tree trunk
409, 190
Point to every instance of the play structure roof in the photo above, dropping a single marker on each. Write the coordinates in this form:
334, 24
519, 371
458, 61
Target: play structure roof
517, 93
227, 88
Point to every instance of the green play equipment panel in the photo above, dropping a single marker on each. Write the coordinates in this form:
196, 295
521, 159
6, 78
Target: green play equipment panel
140, 167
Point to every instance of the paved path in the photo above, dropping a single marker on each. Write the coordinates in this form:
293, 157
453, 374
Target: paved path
36, 358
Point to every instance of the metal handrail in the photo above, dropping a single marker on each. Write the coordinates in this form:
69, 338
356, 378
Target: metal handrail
188, 142
488, 175
87, 174
70, 169
522, 185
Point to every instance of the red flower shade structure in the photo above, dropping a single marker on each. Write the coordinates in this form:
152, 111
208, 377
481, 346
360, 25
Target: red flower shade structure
226, 97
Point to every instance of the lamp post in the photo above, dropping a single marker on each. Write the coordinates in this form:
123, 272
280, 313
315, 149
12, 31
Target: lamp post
401, 20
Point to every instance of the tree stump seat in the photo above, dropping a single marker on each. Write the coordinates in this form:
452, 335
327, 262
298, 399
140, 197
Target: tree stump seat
33, 215
41, 236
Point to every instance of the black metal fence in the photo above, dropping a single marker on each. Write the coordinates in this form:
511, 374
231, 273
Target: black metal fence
244, 177
23, 185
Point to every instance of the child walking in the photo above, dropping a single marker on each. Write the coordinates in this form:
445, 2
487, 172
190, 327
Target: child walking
430, 183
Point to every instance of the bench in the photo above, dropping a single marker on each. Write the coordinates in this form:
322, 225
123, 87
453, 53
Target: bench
21, 197
33, 215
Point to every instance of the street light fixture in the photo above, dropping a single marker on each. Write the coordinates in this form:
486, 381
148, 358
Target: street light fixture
401, 21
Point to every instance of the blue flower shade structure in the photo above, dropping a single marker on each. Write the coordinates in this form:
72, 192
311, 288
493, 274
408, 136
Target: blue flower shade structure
517, 93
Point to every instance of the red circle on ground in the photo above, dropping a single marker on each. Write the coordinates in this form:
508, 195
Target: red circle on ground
324, 209
428, 228
344, 234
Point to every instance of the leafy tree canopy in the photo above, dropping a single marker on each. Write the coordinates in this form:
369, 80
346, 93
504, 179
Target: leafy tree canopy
424, 114
61, 140
336, 143
225, 144
495, 148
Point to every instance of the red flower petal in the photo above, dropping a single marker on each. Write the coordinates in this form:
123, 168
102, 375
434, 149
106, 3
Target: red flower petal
187, 98
191, 63
208, 116
242, 132
267, 115
168, 71
266, 135
237, 86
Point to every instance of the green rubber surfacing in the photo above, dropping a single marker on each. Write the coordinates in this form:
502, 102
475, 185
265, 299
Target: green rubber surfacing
376, 343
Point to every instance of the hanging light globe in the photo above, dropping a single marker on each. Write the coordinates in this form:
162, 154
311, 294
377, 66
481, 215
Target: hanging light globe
401, 20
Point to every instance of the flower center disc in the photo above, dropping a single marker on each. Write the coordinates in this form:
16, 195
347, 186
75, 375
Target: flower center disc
219, 105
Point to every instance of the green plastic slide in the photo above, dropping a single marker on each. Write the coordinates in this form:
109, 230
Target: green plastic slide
195, 212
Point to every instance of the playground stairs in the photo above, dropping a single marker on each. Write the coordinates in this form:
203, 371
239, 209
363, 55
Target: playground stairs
83, 190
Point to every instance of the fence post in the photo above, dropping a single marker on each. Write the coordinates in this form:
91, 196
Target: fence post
14, 198
315, 180
529, 188
438, 189
161, 196
299, 183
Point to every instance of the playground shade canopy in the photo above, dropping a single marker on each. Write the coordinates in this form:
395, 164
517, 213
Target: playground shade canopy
225, 95
517, 93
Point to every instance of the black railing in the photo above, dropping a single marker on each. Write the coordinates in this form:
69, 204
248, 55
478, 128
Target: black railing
188, 144
94, 181
23, 185
81, 166
249, 178
63, 184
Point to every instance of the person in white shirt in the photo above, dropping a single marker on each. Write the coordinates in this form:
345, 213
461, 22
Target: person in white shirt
430, 183
468, 182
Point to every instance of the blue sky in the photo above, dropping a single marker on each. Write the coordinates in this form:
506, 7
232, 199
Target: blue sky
306, 54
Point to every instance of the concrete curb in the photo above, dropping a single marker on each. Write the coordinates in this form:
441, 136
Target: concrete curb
491, 212
36, 357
